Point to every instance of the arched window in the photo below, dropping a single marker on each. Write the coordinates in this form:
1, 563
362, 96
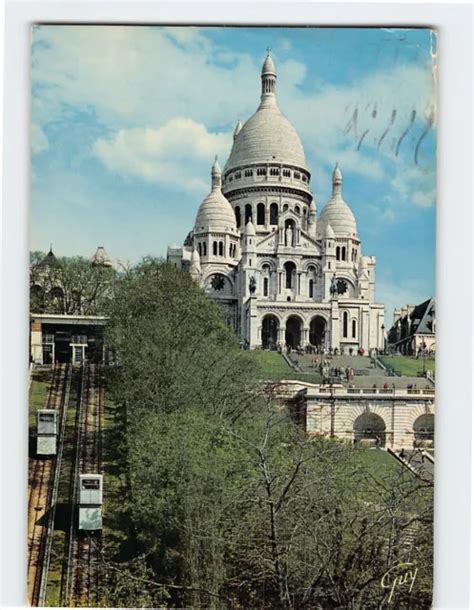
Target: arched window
354, 329
265, 286
214, 248
260, 214
311, 288
290, 270
338, 253
343, 254
248, 213
237, 215
297, 210
285, 207
204, 249
274, 214
345, 323
221, 248
199, 249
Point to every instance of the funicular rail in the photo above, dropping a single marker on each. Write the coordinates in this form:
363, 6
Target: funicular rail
81, 577
42, 481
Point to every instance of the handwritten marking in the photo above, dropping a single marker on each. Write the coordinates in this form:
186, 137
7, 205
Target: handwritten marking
412, 120
398, 576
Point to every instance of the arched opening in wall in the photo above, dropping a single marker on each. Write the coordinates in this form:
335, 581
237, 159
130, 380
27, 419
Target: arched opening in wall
270, 326
293, 332
274, 214
265, 286
237, 215
285, 207
345, 324
297, 210
214, 248
204, 249
343, 253
338, 253
260, 214
248, 213
423, 429
317, 331
311, 289
290, 273
354, 329
199, 249
221, 248
370, 427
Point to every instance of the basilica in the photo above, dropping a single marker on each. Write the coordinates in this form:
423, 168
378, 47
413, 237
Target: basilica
284, 277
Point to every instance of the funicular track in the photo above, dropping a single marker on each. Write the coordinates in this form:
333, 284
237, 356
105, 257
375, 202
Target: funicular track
81, 575
43, 485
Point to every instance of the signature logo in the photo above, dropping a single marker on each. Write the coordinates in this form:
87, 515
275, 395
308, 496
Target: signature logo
400, 575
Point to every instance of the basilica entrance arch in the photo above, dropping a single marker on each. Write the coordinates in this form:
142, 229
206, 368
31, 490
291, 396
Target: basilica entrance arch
369, 427
270, 326
317, 331
424, 429
293, 332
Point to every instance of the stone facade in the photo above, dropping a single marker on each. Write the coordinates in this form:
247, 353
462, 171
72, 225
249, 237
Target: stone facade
283, 276
398, 418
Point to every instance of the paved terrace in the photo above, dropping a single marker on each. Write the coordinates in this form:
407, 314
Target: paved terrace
366, 372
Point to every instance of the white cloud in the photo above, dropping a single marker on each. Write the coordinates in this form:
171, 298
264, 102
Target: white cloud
39, 141
414, 186
179, 153
140, 78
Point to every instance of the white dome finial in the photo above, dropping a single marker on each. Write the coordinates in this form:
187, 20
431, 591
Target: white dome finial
336, 180
216, 174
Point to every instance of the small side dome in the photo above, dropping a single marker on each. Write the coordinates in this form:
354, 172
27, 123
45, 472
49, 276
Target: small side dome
328, 232
215, 212
336, 212
195, 258
250, 228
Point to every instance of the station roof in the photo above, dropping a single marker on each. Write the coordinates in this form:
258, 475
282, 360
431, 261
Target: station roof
51, 318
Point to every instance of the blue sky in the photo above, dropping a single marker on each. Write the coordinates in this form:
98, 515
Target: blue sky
126, 122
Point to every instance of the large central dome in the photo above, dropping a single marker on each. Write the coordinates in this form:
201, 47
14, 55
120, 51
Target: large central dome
268, 136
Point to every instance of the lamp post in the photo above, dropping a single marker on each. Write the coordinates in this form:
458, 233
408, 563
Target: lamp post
382, 328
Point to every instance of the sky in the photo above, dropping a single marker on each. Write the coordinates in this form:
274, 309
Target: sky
126, 121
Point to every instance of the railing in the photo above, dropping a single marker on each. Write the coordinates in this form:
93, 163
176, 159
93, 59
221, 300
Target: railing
334, 391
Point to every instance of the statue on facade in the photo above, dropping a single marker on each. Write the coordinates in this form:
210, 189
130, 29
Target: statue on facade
333, 288
252, 285
289, 236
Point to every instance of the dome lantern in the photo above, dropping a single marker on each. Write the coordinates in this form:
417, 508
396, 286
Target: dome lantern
268, 81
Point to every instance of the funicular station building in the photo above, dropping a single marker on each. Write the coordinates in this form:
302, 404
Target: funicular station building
283, 276
66, 339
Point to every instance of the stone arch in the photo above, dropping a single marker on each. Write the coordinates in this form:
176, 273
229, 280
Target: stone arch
293, 331
290, 274
369, 426
270, 328
274, 213
423, 430
317, 330
260, 213
237, 216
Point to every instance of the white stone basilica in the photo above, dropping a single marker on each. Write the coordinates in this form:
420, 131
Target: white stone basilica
282, 276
